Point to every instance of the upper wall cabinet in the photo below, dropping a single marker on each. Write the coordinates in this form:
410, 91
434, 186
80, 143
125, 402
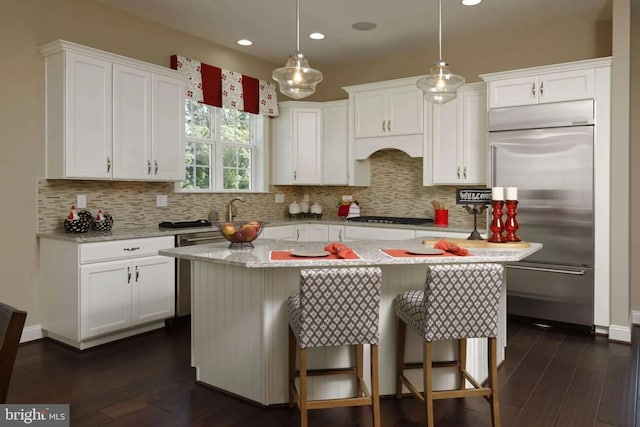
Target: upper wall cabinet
111, 117
297, 144
458, 135
335, 143
562, 82
386, 114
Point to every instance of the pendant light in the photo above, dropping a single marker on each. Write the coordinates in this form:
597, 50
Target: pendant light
440, 85
296, 79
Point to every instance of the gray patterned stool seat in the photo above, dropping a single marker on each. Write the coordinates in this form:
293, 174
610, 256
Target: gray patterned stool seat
459, 301
335, 307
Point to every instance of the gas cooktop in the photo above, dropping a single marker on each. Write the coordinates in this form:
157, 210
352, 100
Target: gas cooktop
391, 220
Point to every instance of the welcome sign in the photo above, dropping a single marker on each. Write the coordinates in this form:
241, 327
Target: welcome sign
469, 196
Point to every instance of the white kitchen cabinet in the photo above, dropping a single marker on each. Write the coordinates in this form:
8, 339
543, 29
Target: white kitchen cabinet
388, 112
312, 233
111, 117
336, 233
278, 232
384, 115
458, 135
335, 143
537, 85
93, 293
354, 232
297, 144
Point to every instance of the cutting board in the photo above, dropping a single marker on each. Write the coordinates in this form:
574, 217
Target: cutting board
464, 243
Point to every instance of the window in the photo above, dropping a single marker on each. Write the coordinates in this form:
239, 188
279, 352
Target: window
223, 150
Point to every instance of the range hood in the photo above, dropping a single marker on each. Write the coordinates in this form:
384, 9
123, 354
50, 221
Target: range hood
412, 145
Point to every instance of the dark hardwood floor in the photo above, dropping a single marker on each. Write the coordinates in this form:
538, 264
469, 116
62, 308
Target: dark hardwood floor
550, 378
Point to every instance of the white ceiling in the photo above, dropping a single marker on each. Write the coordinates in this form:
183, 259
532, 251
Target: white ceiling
401, 24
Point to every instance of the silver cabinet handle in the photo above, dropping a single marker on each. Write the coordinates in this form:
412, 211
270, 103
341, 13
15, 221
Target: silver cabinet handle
458, 172
155, 162
383, 128
137, 273
389, 125
533, 90
340, 235
148, 167
295, 175
297, 234
135, 248
108, 164
547, 270
541, 88
464, 172
128, 274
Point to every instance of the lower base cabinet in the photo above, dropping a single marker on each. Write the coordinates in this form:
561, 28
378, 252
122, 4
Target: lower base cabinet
94, 293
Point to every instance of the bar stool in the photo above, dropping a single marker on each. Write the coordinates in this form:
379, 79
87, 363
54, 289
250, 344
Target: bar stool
459, 301
335, 307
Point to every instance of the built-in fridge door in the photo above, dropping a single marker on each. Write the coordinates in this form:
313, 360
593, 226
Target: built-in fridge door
553, 170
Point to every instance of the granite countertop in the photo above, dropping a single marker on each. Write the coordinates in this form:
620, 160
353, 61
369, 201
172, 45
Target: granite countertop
155, 231
369, 252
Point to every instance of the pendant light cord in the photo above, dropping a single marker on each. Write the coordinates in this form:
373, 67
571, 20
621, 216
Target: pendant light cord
439, 29
298, 26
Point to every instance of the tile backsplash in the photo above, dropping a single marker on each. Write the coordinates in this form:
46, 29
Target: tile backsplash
396, 190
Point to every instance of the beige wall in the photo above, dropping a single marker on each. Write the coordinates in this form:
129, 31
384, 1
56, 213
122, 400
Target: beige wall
635, 154
24, 25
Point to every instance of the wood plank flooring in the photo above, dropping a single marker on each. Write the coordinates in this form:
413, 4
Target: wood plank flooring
550, 377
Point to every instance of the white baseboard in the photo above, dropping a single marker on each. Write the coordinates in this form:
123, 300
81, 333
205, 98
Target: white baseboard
30, 333
635, 317
620, 333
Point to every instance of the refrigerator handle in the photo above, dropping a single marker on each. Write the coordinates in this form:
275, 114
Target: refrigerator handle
547, 270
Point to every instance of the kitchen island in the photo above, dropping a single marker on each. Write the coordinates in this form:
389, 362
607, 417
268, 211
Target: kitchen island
239, 315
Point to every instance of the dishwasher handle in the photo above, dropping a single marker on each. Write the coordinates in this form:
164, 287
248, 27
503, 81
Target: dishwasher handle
577, 272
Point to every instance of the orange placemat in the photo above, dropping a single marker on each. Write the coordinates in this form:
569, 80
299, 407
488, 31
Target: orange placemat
402, 253
286, 255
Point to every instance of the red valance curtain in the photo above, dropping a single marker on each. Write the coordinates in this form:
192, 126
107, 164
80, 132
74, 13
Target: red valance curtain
223, 88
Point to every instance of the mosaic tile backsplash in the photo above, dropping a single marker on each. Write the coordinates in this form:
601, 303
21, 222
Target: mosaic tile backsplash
396, 190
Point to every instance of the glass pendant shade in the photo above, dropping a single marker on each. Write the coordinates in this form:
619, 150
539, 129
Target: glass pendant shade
440, 85
296, 79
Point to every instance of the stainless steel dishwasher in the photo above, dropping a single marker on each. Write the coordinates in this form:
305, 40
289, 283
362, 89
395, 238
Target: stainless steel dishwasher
183, 266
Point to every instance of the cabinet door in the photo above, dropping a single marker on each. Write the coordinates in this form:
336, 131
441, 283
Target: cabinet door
105, 297
87, 121
472, 109
364, 233
515, 91
131, 123
370, 115
282, 232
444, 133
312, 233
404, 111
335, 145
153, 289
168, 129
307, 145
567, 86
336, 233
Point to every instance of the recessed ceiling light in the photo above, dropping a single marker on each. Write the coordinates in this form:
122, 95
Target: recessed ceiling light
364, 26
316, 36
245, 42
471, 2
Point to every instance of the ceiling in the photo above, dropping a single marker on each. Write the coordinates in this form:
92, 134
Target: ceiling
401, 25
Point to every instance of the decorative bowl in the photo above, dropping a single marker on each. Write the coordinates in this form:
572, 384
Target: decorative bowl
241, 233
80, 225
105, 224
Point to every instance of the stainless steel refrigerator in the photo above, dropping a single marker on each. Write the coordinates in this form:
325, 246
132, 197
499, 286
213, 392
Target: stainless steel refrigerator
546, 151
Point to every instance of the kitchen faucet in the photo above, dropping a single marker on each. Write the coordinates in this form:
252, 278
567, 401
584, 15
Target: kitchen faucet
232, 211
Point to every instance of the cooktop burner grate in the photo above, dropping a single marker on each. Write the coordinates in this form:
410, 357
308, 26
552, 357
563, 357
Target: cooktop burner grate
391, 220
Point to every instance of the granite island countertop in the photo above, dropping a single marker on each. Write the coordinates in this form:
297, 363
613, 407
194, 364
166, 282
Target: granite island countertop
369, 251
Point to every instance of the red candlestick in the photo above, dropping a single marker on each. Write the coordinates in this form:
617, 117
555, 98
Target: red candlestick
497, 225
512, 225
